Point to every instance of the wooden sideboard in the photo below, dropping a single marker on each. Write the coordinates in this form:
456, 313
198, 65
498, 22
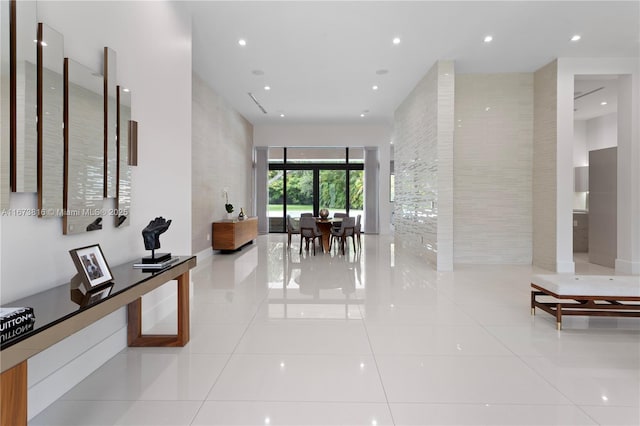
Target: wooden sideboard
230, 235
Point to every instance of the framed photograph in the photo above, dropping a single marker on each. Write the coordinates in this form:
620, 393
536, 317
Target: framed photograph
92, 266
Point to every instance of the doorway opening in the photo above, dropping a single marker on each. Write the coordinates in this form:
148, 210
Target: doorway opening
595, 173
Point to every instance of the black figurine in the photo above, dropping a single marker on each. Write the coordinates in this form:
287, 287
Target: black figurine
151, 237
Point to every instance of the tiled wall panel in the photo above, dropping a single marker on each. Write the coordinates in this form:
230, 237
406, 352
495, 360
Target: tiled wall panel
422, 134
221, 158
493, 154
545, 140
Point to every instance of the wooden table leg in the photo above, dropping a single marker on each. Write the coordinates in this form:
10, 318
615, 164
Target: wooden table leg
13, 396
134, 321
325, 230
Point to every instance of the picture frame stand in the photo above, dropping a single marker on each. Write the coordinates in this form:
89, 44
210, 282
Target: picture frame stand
88, 297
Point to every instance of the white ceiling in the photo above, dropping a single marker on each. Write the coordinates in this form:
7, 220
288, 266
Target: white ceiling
321, 58
594, 96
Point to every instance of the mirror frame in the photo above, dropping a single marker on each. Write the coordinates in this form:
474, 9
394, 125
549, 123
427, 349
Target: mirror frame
110, 124
7, 106
123, 189
51, 152
24, 140
91, 199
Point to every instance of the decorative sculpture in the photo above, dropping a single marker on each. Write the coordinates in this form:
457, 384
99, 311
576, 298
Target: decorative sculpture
151, 237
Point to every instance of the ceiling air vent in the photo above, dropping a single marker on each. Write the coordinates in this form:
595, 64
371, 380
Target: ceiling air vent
253, 98
579, 95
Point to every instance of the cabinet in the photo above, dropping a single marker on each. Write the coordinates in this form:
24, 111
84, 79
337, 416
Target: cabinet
580, 232
233, 234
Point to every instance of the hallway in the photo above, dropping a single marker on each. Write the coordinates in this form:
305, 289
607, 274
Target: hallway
378, 338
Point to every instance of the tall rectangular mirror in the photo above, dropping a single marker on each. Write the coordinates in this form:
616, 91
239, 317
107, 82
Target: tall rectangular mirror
110, 124
123, 200
50, 103
24, 141
5, 103
84, 149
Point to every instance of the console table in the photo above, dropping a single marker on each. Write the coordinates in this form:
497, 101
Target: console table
58, 317
230, 235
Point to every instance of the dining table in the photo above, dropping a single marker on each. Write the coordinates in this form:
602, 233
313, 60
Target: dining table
325, 226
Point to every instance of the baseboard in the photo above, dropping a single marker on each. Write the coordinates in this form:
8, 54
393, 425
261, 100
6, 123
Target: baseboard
55, 385
626, 267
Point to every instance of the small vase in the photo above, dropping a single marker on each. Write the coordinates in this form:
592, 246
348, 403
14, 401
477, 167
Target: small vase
241, 215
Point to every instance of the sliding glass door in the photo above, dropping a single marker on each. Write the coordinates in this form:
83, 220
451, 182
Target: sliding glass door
333, 190
305, 180
299, 192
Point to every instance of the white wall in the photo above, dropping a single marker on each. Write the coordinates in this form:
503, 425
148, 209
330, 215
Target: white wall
580, 151
153, 44
602, 132
493, 150
340, 136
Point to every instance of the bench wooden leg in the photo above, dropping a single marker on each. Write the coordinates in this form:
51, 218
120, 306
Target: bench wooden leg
13, 396
559, 316
533, 303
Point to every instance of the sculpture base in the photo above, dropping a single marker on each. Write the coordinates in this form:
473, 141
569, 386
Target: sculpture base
158, 258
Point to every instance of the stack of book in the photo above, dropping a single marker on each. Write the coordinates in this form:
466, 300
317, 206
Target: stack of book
14, 322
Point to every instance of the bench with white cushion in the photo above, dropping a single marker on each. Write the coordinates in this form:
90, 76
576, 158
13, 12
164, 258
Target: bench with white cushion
587, 295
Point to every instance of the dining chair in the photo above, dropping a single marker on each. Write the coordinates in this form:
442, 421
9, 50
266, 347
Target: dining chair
291, 229
306, 214
309, 232
357, 230
345, 231
336, 225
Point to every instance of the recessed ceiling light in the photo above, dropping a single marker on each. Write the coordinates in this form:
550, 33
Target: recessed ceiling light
362, 115
44, 43
267, 87
126, 90
375, 87
242, 42
396, 40
281, 114
603, 103
576, 37
488, 39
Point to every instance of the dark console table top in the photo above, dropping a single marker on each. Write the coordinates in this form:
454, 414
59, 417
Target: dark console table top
53, 306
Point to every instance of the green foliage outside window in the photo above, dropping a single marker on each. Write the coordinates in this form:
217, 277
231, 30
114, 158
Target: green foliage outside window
332, 190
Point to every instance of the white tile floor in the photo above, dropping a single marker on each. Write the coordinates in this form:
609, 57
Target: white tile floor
376, 339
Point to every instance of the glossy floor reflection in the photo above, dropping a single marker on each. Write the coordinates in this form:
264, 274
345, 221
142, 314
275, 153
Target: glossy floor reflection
373, 338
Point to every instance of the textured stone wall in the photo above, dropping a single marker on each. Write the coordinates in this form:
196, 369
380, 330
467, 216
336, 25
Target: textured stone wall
545, 141
423, 138
493, 147
221, 158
